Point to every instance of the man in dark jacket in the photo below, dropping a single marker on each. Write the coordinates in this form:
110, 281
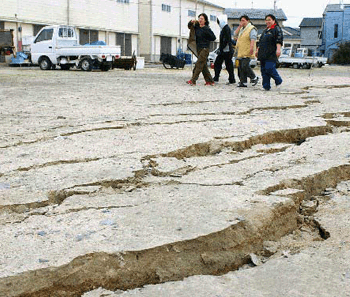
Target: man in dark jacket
225, 52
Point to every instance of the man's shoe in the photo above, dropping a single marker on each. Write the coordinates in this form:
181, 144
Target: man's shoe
209, 83
240, 85
190, 82
231, 82
254, 81
216, 79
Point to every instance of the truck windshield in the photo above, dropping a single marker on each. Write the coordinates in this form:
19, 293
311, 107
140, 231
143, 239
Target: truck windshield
66, 32
45, 34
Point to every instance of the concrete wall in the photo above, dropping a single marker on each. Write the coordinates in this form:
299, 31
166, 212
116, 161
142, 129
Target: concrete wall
106, 16
145, 29
93, 14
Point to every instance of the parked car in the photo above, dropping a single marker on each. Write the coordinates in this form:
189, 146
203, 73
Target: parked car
212, 57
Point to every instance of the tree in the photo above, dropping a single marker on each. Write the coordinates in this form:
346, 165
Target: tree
342, 54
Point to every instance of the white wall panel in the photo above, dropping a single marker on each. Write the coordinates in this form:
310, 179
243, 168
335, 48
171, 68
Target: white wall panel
134, 43
94, 14
35, 11
107, 14
27, 30
8, 10
166, 23
112, 38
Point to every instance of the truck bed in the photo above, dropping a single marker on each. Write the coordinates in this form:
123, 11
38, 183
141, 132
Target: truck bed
80, 50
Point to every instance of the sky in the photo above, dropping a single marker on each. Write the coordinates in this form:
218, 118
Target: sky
295, 10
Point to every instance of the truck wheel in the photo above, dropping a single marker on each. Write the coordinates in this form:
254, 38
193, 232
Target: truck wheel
296, 66
86, 64
45, 63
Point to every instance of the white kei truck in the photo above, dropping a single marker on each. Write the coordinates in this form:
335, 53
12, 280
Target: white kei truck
300, 59
58, 46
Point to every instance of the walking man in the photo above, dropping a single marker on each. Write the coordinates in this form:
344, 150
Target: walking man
225, 52
246, 35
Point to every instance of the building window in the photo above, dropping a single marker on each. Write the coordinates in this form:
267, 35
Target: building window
87, 36
37, 28
191, 13
213, 18
124, 40
165, 45
166, 8
123, 1
336, 31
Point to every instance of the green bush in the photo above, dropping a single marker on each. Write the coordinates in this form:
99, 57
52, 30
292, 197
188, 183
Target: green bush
342, 54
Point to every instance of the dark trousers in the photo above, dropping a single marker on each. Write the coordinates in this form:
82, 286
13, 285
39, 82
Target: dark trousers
227, 57
268, 71
201, 66
244, 70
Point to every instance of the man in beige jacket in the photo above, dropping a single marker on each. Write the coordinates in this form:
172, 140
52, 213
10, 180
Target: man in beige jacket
246, 35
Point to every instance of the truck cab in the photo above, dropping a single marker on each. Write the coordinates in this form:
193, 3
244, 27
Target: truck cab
43, 45
301, 58
58, 45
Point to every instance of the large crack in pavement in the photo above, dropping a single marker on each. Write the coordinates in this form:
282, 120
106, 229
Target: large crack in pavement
290, 136
215, 253
110, 125
284, 136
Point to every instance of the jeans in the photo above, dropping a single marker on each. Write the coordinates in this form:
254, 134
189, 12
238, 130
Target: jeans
227, 57
244, 70
268, 71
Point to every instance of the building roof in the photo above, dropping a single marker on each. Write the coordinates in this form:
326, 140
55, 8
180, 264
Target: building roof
254, 14
209, 3
311, 22
335, 7
290, 33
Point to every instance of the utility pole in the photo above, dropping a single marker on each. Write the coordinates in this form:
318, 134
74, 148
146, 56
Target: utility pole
274, 6
67, 12
179, 43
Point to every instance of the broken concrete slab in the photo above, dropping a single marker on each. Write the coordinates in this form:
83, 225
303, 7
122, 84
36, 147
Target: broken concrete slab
126, 190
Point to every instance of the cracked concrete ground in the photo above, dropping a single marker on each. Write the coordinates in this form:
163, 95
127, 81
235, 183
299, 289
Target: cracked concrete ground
123, 179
